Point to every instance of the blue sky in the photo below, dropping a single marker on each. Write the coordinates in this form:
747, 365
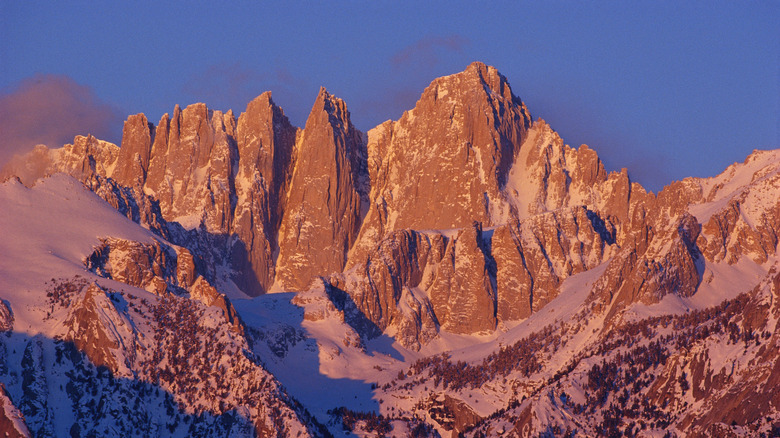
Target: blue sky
666, 89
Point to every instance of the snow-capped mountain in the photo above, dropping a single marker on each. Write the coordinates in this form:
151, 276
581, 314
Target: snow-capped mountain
460, 271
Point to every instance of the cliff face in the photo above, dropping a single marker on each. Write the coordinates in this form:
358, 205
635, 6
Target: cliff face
265, 141
445, 163
325, 196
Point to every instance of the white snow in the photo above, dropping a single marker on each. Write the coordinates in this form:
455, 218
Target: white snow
48, 230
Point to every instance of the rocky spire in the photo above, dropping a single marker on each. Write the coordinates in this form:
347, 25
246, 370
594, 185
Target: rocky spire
133, 163
324, 199
265, 141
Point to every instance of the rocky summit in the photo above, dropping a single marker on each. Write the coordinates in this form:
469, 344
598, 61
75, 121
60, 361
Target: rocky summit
458, 272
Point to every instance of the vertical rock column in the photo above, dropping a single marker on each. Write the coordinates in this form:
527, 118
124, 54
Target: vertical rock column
322, 217
265, 140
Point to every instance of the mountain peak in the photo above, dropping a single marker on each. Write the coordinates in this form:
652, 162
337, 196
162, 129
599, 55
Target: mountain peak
477, 77
334, 107
264, 100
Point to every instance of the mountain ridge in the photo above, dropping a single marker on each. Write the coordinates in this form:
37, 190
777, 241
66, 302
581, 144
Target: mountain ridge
462, 231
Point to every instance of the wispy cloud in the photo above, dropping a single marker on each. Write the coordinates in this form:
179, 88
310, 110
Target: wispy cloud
428, 50
51, 110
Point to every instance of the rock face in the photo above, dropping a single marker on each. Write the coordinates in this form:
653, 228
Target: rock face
11, 420
462, 293
191, 167
746, 219
134, 154
390, 288
6, 317
533, 257
421, 282
325, 196
667, 266
444, 163
93, 325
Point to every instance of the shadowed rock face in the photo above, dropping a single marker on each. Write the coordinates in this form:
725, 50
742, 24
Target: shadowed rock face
265, 141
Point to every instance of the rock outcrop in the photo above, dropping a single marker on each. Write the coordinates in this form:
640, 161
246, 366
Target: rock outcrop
98, 329
160, 269
6, 317
150, 266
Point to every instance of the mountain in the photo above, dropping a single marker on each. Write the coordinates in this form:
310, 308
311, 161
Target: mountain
459, 271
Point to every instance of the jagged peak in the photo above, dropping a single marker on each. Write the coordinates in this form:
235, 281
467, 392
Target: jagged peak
134, 117
165, 118
263, 100
261, 104
477, 76
197, 107
334, 107
332, 104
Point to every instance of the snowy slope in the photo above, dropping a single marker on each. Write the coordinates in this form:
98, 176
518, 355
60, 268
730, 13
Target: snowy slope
134, 336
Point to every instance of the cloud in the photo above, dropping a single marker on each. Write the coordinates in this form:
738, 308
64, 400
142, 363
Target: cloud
51, 110
426, 50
